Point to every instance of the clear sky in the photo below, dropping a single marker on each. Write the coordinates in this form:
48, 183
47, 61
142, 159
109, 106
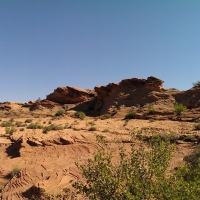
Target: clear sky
45, 44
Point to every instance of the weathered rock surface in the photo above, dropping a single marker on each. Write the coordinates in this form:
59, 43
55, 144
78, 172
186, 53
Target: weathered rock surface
73, 95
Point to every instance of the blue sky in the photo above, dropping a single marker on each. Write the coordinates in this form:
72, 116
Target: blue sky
45, 44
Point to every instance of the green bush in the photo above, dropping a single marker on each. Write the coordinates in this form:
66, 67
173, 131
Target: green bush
179, 108
15, 171
28, 120
10, 130
130, 115
60, 112
80, 115
52, 127
151, 109
196, 84
106, 116
6, 124
140, 174
92, 128
20, 124
34, 126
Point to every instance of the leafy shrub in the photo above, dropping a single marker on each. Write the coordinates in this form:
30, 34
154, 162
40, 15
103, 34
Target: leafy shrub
80, 115
106, 116
196, 84
130, 178
15, 171
34, 126
52, 127
130, 115
92, 128
139, 174
10, 130
20, 124
6, 124
60, 112
28, 120
179, 108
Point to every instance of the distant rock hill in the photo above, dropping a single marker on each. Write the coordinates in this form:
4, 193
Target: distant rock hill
115, 99
127, 93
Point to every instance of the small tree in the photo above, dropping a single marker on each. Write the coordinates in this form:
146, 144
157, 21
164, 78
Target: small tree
179, 108
140, 174
196, 84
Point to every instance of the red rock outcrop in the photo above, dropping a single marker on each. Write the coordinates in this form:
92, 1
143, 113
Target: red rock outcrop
70, 95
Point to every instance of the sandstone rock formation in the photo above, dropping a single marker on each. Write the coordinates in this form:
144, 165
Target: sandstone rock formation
70, 95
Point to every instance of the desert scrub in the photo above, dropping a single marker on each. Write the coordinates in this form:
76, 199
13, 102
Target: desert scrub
1, 187
196, 84
197, 126
90, 123
106, 116
106, 130
10, 130
60, 112
92, 128
34, 126
28, 120
6, 124
129, 178
15, 171
179, 108
140, 174
130, 115
151, 109
52, 127
80, 115
20, 124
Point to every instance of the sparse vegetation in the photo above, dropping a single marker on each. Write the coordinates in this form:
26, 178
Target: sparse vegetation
52, 127
28, 120
20, 124
130, 115
60, 112
80, 115
125, 122
90, 123
179, 108
197, 126
10, 130
106, 116
15, 171
34, 126
196, 84
92, 128
138, 175
1, 187
6, 124
106, 130
151, 109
